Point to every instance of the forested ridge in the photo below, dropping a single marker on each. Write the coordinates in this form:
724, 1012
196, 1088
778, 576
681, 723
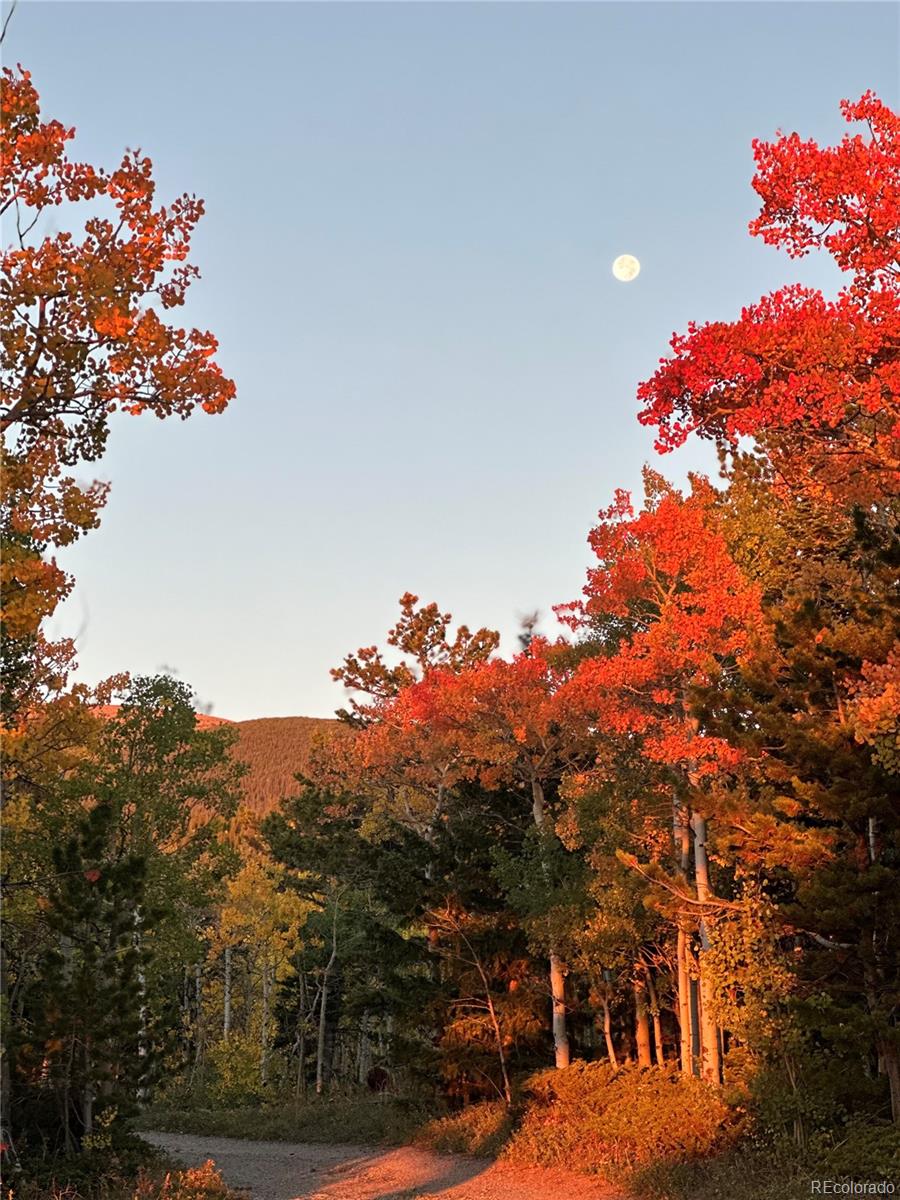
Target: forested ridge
277, 750
274, 751
625, 898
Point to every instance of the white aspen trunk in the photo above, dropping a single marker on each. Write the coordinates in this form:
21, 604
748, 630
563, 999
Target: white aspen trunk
226, 1014
889, 1065
641, 1024
557, 974
264, 1030
199, 1036
320, 1045
507, 1091
710, 1058
300, 1089
185, 1006
323, 1010
654, 1013
558, 993
681, 836
684, 1003
607, 1033
872, 838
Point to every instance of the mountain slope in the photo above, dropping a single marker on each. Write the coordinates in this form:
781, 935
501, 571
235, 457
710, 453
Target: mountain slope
276, 749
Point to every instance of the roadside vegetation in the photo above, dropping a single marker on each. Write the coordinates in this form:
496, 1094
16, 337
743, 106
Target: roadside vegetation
651, 1133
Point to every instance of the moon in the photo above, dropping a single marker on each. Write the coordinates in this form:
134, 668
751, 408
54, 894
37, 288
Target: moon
626, 267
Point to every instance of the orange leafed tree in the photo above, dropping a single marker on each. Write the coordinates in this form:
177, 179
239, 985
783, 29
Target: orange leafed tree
674, 616
83, 334
82, 320
815, 382
503, 718
415, 763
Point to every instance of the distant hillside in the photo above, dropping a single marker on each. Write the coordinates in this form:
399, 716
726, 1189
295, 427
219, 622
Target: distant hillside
275, 749
204, 720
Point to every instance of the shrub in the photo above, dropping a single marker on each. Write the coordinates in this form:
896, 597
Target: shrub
594, 1116
741, 1174
480, 1129
235, 1065
196, 1183
88, 1181
863, 1149
100, 1170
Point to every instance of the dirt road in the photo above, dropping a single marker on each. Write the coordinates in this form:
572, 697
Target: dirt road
303, 1171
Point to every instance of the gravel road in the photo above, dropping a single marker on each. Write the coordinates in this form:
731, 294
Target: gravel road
304, 1171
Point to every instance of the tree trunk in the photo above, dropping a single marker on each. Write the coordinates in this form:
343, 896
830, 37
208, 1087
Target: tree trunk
657, 1022
226, 1015
334, 1042
199, 1034
684, 1002
300, 1088
710, 1058
264, 1028
641, 1024
186, 1015
558, 992
323, 1010
557, 975
889, 1063
364, 1056
607, 1033
320, 1045
507, 1092
87, 1094
695, 1026
681, 835
489, 1001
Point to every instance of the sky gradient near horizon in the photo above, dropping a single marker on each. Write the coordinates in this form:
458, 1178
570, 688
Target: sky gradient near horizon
412, 210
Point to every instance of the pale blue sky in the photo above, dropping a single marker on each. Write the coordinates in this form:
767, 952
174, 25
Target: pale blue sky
412, 212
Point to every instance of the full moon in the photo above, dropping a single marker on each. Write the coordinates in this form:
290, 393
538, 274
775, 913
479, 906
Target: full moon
626, 267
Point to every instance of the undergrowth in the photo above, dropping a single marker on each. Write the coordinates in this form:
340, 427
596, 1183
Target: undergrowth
150, 1183
599, 1118
384, 1121
481, 1129
653, 1132
739, 1174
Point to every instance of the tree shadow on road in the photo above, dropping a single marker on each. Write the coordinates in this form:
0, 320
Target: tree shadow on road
393, 1175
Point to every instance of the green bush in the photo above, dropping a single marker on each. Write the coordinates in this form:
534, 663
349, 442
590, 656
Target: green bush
744, 1173
597, 1117
101, 1170
814, 1100
862, 1149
